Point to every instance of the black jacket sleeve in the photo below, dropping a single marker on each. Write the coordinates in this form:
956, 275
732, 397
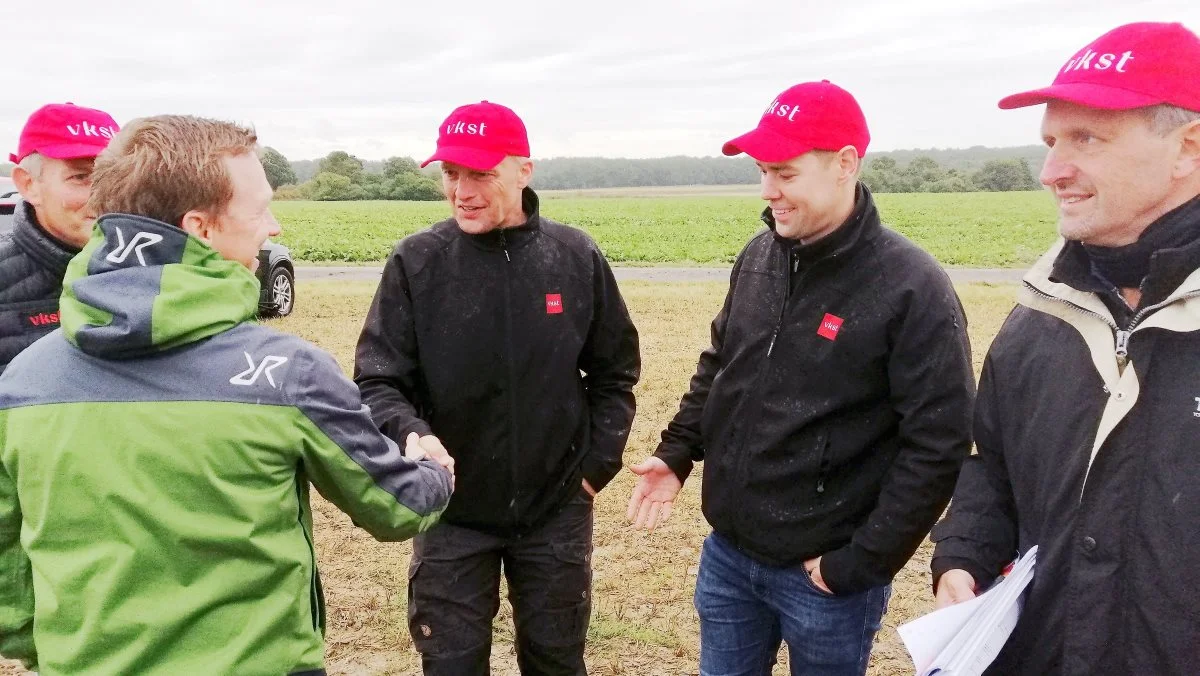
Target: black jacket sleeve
386, 361
682, 443
932, 391
611, 363
979, 534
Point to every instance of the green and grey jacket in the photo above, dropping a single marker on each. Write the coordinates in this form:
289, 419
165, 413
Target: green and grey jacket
155, 459
1088, 436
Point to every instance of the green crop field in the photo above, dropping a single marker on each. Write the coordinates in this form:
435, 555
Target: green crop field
964, 229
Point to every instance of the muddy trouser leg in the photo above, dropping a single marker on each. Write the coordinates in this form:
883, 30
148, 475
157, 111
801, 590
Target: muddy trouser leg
453, 595
549, 574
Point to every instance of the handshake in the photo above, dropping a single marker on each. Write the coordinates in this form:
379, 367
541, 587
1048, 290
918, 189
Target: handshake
417, 447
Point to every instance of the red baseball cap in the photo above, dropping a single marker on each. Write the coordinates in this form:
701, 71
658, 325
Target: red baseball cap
65, 131
479, 136
1131, 66
808, 116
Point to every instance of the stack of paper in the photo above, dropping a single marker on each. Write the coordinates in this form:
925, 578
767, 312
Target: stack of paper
963, 639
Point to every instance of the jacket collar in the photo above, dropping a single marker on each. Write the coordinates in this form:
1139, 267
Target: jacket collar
1066, 273
515, 236
38, 244
862, 226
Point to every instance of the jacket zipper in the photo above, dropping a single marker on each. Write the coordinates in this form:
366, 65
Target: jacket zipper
512, 379
823, 468
1121, 349
787, 294
789, 263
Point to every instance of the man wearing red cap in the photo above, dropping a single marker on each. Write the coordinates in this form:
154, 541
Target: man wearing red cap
54, 160
832, 410
501, 336
1088, 420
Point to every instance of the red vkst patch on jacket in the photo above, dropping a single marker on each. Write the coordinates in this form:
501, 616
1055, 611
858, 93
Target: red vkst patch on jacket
830, 326
554, 304
43, 318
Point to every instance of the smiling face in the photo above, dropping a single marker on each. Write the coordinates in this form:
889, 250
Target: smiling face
810, 195
1111, 173
486, 200
58, 192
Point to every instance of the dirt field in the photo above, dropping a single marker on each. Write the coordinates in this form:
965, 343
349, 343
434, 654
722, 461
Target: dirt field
643, 622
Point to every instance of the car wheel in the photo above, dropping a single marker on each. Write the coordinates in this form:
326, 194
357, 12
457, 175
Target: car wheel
283, 291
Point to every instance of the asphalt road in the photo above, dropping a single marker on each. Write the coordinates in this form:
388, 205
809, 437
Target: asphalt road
655, 274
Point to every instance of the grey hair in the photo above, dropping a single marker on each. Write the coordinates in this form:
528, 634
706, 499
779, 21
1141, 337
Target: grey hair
1166, 118
32, 164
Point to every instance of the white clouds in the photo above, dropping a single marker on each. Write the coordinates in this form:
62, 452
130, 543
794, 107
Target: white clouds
619, 78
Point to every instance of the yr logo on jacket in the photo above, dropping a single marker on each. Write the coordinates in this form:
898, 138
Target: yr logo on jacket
830, 326
554, 304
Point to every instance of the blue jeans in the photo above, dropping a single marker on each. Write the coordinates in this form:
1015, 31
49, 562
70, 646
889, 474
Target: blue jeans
746, 608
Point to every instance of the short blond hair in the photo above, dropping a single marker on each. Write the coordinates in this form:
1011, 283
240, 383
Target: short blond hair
165, 166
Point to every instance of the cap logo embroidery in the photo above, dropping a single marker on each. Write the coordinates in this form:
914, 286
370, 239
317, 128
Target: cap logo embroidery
465, 128
784, 110
1103, 61
85, 129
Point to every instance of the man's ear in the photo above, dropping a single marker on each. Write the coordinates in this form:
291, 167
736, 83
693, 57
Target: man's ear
1187, 163
31, 190
525, 173
198, 224
848, 164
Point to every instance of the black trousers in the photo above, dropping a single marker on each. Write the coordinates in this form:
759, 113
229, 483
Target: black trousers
454, 594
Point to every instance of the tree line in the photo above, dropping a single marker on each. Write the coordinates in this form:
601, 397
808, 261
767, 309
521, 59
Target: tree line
342, 176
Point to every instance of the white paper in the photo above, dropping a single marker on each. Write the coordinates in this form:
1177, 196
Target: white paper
963, 639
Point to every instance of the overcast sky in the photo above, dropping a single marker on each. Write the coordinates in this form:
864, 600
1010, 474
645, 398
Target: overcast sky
615, 78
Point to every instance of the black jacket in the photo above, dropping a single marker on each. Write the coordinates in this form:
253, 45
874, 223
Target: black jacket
480, 340
32, 264
1096, 464
833, 409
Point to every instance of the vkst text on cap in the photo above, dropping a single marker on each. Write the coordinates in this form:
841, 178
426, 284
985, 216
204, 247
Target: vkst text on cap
65, 131
1131, 66
479, 136
808, 116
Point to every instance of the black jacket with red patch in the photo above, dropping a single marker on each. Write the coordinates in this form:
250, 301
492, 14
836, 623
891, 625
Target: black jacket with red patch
481, 340
32, 265
833, 409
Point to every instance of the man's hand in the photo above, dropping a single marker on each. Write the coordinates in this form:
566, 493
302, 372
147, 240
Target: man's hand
434, 449
588, 488
955, 586
813, 568
650, 504
412, 448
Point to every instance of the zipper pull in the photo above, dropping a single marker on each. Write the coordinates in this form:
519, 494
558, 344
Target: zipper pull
504, 246
795, 263
1122, 347
821, 485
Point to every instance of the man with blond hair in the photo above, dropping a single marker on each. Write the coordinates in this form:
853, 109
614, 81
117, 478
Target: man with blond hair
1088, 420
502, 335
54, 158
156, 452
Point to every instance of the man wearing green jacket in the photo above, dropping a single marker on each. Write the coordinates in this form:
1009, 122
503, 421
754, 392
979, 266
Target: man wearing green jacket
156, 451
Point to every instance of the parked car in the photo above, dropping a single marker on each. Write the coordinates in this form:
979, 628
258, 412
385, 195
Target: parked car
277, 275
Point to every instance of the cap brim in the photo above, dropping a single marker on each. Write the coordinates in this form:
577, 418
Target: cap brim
1081, 93
471, 158
765, 145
